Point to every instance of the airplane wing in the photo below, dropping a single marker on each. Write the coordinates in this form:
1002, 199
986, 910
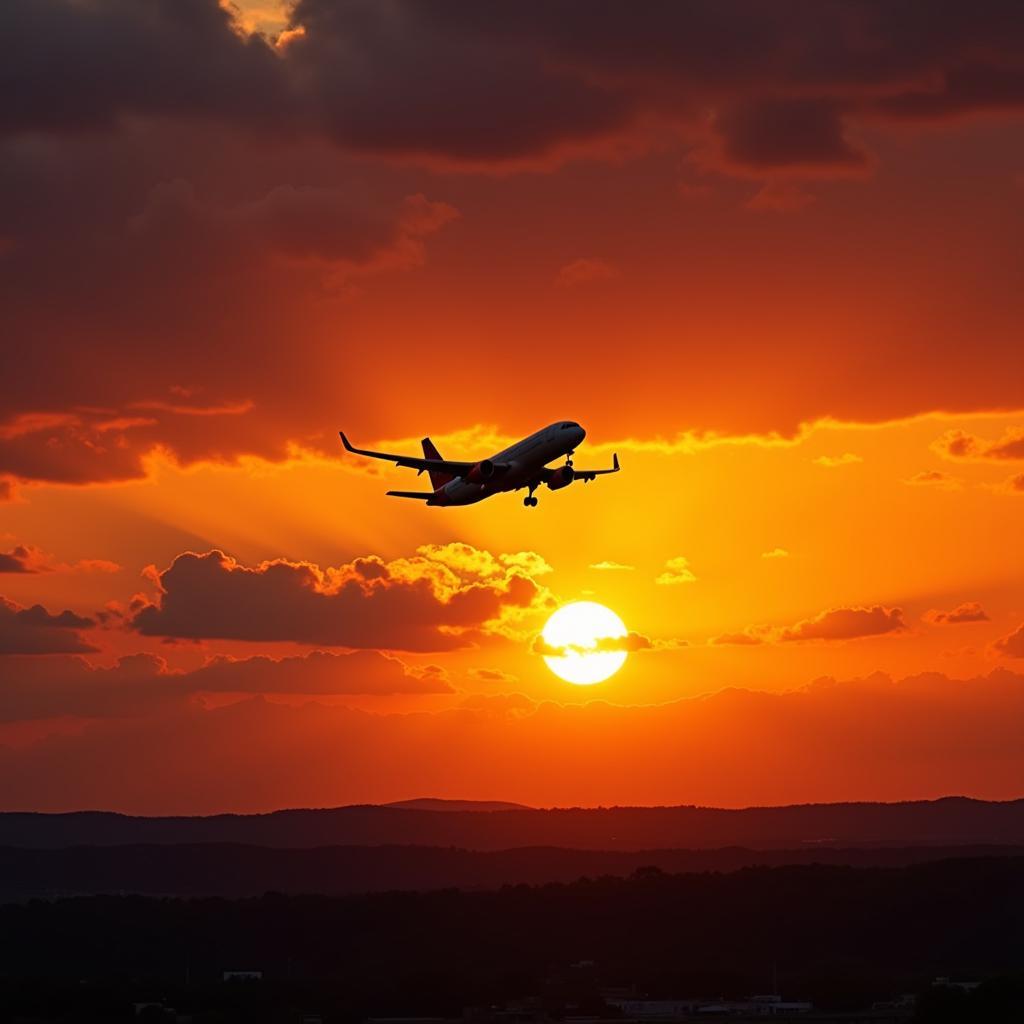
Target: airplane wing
411, 461
586, 475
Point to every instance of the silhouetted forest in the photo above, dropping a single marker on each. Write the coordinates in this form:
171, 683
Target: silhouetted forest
234, 870
842, 936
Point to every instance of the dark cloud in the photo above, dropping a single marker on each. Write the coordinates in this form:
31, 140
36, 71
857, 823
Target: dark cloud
44, 688
1011, 446
441, 83
963, 89
958, 444
139, 685
969, 611
410, 604
135, 301
78, 67
765, 136
36, 631
20, 559
198, 303
933, 478
311, 225
491, 675
847, 624
500, 81
27, 559
361, 672
1012, 645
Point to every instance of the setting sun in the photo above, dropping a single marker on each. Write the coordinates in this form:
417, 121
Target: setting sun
581, 641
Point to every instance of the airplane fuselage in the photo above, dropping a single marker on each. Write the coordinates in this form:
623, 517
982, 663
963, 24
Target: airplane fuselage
524, 464
525, 459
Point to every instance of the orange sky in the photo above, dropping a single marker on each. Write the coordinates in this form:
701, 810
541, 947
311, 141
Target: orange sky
785, 290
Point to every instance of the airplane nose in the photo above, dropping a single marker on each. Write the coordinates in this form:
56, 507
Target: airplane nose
580, 434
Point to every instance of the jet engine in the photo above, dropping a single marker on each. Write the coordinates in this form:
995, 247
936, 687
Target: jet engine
480, 472
562, 477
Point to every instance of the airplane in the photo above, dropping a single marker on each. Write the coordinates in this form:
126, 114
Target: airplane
525, 464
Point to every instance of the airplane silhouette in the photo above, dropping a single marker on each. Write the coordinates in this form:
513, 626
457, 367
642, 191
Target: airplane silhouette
524, 464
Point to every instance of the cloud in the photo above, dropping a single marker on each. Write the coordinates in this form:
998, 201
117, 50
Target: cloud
319, 672
36, 631
413, 604
748, 638
780, 197
873, 738
395, 81
109, 60
525, 106
512, 705
182, 203
831, 625
847, 624
185, 290
584, 271
607, 566
759, 135
677, 571
775, 553
310, 226
832, 461
630, 643
956, 444
969, 611
57, 687
959, 444
19, 560
467, 560
491, 675
142, 684
27, 559
1012, 645
934, 478
967, 88
1014, 485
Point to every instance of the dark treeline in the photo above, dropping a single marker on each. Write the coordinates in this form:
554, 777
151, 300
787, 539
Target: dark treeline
841, 936
950, 821
232, 870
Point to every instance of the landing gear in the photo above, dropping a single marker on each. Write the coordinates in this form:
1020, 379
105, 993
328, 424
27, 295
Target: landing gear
530, 502
568, 459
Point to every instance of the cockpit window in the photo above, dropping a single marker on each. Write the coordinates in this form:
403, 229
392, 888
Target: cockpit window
566, 426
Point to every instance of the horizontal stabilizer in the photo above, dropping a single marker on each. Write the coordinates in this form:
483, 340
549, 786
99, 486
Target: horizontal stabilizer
431, 464
586, 475
412, 494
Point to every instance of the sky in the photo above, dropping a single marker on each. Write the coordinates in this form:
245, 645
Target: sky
767, 253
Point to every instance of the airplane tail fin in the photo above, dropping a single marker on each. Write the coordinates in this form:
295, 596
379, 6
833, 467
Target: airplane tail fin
437, 479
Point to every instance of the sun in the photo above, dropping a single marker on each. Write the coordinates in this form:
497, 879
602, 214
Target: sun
585, 632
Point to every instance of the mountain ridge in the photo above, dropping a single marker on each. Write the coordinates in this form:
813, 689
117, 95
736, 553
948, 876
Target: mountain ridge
947, 821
